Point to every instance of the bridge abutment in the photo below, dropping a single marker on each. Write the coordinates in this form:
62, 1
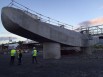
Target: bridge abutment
51, 50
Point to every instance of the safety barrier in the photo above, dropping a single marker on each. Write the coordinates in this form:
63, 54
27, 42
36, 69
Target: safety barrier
39, 16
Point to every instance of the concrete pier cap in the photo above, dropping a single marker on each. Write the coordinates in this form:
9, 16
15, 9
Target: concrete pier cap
51, 50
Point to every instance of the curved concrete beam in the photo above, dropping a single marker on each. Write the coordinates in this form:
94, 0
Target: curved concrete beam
20, 23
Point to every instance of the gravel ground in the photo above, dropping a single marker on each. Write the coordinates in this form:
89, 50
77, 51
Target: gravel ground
68, 66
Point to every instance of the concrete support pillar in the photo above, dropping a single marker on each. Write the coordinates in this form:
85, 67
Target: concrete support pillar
51, 50
88, 50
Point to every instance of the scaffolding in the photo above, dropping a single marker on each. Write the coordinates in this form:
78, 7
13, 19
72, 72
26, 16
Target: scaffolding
92, 30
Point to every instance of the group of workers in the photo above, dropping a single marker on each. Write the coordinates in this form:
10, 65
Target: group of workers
13, 53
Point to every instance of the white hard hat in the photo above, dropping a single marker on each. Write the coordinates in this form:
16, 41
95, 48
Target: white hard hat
33, 47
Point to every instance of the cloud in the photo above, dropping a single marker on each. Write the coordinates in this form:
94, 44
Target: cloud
7, 38
97, 21
4, 36
85, 23
93, 22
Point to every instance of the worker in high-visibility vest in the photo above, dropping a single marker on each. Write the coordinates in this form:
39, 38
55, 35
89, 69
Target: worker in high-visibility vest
12, 54
34, 55
19, 57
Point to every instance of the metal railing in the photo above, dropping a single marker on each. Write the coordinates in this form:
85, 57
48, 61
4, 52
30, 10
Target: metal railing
93, 30
39, 16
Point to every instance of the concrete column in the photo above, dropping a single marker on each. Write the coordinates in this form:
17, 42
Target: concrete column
87, 50
51, 50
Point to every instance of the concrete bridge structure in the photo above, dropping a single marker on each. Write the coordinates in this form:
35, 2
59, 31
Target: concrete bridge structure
53, 37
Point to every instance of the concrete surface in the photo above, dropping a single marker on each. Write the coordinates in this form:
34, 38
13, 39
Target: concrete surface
15, 19
51, 50
23, 23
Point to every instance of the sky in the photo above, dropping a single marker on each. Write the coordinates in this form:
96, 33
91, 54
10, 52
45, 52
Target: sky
71, 12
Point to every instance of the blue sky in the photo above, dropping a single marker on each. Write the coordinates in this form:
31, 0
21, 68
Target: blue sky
68, 11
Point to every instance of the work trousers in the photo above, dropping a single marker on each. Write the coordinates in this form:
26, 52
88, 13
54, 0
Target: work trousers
34, 57
19, 61
12, 59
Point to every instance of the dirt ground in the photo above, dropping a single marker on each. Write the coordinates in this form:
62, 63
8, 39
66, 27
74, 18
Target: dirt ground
72, 65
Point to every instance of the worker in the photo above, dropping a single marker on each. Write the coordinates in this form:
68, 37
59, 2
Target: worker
19, 57
34, 55
12, 54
